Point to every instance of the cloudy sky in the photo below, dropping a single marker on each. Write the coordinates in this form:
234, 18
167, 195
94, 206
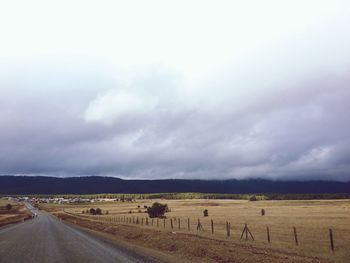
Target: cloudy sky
176, 89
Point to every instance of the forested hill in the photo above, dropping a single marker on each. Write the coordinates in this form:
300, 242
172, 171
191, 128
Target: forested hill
95, 185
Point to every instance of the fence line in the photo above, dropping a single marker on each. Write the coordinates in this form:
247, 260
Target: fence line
246, 233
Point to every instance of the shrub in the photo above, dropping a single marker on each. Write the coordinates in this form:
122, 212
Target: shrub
157, 210
98, 211
8, 207
262, 212
83, 212
145, 206
130, 212
253, 198
107, 213
206, 212
92, 211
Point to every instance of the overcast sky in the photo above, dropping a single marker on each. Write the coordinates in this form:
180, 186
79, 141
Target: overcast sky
176, 89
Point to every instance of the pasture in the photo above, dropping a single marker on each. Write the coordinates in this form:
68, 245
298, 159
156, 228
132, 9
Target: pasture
311, 220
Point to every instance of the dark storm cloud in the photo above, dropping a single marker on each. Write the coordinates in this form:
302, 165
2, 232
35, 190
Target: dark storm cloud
66, 126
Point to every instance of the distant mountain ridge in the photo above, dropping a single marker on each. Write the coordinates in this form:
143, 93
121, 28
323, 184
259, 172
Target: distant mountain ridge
96, 184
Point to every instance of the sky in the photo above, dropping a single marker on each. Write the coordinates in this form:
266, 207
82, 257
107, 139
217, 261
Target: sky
176, 89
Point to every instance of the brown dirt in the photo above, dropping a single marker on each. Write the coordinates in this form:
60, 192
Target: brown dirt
15, 215
191, 247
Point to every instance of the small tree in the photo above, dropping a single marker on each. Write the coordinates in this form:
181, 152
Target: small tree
98, 211
157, 210
206, 212
92, 211
8, 207
253, 198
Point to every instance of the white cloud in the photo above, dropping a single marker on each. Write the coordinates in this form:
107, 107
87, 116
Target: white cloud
111, 105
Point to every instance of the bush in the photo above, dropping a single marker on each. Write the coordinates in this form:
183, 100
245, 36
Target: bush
83, 212
145, 206
253, 198
157, 210
206, 212
8, 207
98, 211
107, 213
92, 211
130, 212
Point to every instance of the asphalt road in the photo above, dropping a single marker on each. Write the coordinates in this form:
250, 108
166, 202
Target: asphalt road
47, 239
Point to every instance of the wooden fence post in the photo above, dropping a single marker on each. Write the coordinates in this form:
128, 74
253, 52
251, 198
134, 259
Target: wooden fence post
212, 226
146, 221
295, 236
188, 224
164, 222
268, 234
171, 223
179, 224
331, 239
246, 231
199, 226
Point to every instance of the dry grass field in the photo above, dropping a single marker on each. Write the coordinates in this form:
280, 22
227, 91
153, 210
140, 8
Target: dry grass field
312, 220
18, 213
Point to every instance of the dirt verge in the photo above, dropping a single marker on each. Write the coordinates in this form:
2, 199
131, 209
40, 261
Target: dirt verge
17, 214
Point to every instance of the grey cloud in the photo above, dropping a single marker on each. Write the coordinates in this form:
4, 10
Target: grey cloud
299, 132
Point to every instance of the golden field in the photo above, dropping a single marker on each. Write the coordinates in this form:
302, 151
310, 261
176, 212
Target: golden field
312, 220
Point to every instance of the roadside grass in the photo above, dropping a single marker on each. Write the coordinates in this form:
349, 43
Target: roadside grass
18, 213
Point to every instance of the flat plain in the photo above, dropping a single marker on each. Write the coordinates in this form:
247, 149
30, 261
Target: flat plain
311, 220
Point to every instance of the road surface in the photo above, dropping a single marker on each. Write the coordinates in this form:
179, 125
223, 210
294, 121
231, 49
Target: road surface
47, 239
